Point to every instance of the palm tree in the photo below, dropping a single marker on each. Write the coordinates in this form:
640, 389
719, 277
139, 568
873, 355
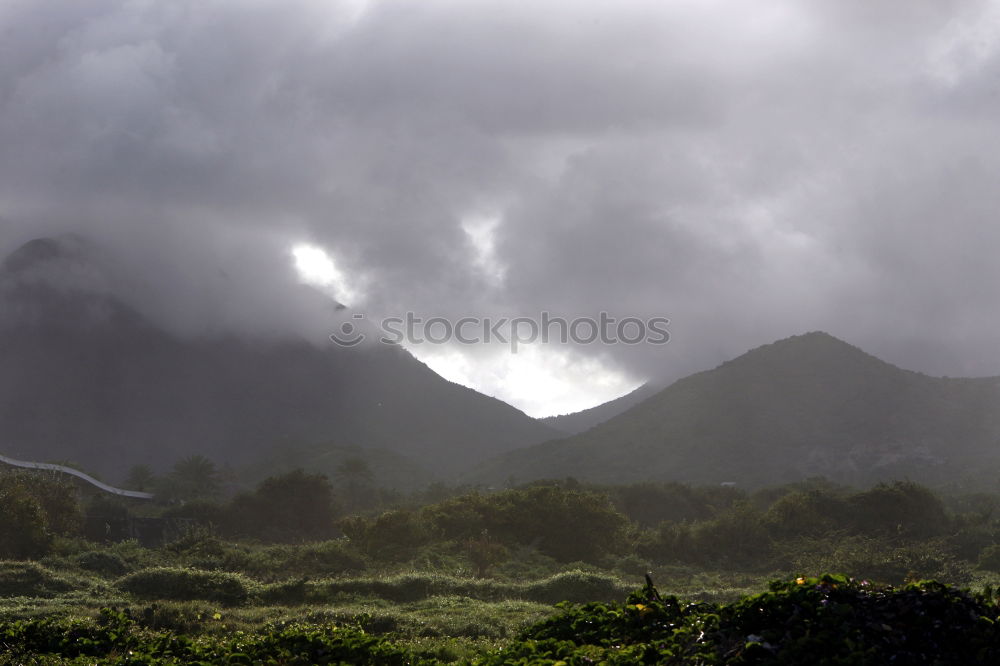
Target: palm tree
195, 477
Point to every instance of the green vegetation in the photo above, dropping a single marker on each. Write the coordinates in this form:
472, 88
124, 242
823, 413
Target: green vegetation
803, 406
36, 507
453, 574
823, 620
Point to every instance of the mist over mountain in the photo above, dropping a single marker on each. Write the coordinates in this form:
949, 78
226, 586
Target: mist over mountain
89, 378
805, 406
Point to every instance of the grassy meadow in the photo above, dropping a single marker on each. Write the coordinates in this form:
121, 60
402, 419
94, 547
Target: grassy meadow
459, 575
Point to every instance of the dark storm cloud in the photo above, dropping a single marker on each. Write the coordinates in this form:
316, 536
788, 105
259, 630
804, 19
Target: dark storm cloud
749, 170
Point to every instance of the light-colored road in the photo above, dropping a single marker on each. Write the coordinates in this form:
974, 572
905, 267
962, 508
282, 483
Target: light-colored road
77, 473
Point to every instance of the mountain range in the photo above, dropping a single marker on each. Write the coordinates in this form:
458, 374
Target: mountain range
809, 405
88, 378
586, 419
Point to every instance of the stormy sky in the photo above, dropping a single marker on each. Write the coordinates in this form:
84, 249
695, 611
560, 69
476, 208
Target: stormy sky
749, 170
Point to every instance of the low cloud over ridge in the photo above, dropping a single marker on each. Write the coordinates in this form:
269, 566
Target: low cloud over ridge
749, 172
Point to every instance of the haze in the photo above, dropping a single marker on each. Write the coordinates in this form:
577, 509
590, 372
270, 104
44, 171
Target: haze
749, 171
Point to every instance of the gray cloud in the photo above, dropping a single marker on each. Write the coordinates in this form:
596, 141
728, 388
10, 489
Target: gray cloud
750, 171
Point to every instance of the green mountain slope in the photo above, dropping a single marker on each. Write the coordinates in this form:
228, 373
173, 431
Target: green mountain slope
586, 419
804, 406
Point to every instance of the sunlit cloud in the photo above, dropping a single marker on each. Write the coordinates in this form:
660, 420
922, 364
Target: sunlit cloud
317, 268
481, 232
539, 380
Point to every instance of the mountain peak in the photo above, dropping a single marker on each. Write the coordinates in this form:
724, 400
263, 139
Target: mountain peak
69, 263
816, 351
41, 253
803, 406
812, 340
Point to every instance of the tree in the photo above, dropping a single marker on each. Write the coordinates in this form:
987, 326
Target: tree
292, 507
565, 524
195, 477
35, 507
356, 477
23, 529
485, 553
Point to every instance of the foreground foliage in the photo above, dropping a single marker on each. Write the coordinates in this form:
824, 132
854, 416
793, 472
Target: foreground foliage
116, 638
825, 620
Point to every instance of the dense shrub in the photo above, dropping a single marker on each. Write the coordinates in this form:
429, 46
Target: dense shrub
57, 497
989, 559
827, 620
575, 586
824, 621
290, 508
116, 634
410, 587
23, 527
187, 584
485, 553
969, 540
103, 563
569, 525
882, 560
650, 504
391, 536
737, 538
836, 620
35, 508
807, 513
903, 508
319, 559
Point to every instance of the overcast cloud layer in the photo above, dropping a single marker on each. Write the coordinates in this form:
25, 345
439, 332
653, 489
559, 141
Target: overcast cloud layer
750, 170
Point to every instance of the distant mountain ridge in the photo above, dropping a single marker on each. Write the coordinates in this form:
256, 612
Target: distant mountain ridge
86, 377
805, 406
577, 422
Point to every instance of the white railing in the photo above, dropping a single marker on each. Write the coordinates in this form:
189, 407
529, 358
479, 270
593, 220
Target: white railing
77, 473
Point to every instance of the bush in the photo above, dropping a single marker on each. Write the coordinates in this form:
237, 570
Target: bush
324, 558
320, 559
393, 536
197, 541
187, 584
575, 586
650, 504
569, 525
290, 508
809, 513
485, 553
880, 560
36, 507
902, 508
23, 528
115, 634
102, 562
989, 559
28, 579
969, 541
824, 621
739, 537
